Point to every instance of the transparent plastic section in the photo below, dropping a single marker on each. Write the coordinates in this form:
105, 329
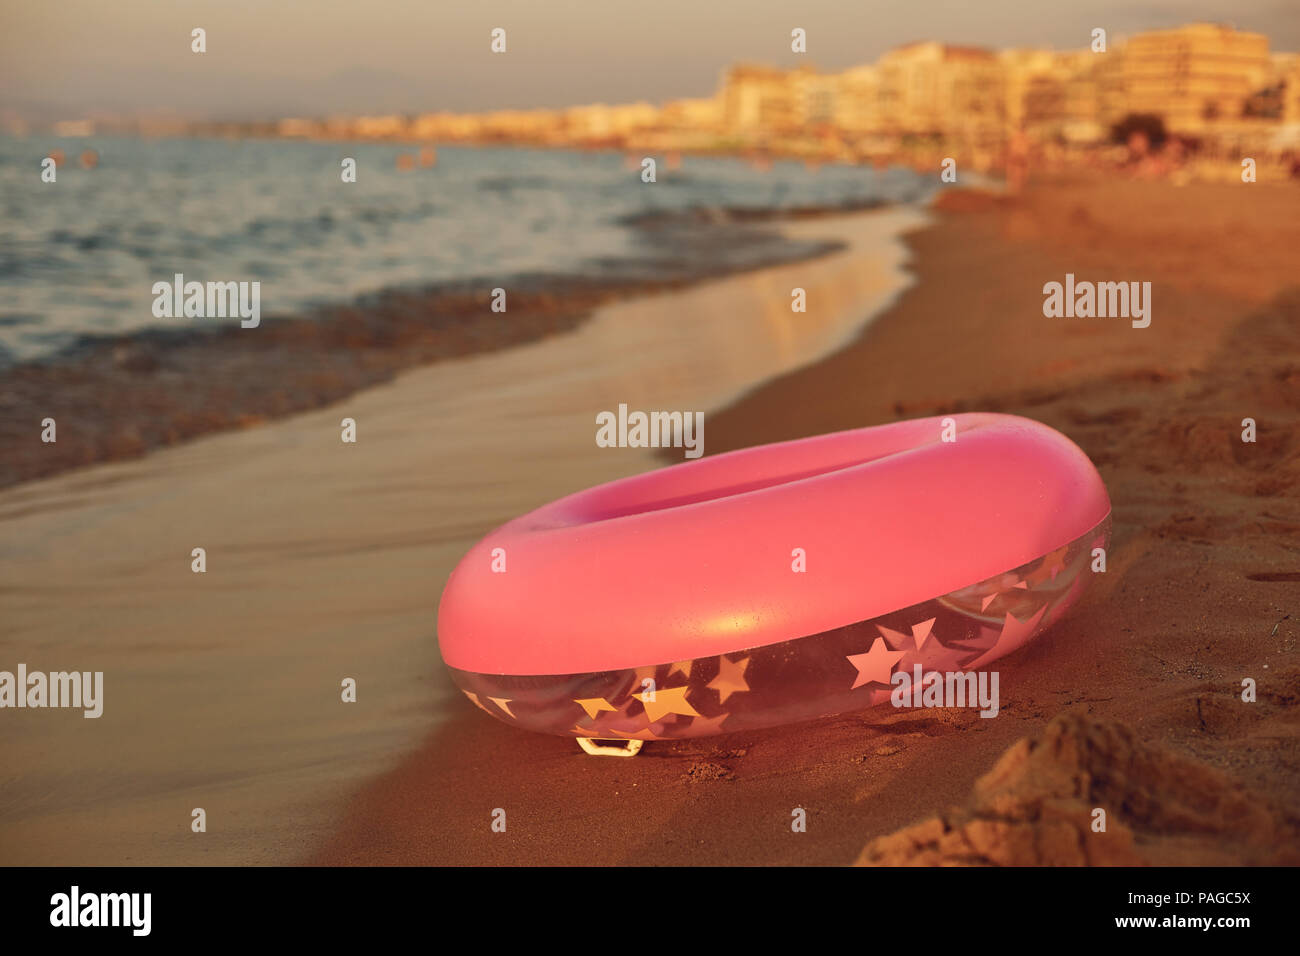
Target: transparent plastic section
845, 669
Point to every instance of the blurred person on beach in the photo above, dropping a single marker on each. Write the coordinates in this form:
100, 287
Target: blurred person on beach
1017, 160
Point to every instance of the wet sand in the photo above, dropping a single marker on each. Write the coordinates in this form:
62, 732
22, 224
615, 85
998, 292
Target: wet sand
1131, 703
325, 561
121, 396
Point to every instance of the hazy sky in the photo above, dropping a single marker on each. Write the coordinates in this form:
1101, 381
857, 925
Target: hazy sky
276, 57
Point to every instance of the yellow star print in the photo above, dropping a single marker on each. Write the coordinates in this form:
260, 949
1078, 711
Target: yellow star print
666, 701
594, 705
730, 679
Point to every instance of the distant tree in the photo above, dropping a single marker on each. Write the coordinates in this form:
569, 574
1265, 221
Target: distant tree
1150, 125
1266, 103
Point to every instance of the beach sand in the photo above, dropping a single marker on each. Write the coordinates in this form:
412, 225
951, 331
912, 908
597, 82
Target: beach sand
1131, 704
326, 561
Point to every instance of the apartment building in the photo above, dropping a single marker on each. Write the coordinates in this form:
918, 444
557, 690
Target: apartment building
942, 90
1194, 76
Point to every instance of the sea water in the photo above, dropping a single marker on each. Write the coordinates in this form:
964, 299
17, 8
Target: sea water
81, 255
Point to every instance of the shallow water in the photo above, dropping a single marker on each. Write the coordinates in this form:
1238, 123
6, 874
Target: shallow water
81, 255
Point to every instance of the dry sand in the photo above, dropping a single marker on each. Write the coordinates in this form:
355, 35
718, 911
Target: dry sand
326, 560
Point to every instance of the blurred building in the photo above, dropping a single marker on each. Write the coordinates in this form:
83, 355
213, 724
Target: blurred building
1072, 96
602, 123
1194, 76
763, 98
380, 127
857, 100
1286, 81
530, 126
818, 98
937, 89
297, 128
1207, 82
692, 114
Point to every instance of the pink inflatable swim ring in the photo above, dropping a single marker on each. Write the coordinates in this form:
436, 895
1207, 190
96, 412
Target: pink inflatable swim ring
777, 583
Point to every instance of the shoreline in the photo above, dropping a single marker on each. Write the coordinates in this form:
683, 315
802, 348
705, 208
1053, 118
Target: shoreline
1146, 671
133, 393
325, 561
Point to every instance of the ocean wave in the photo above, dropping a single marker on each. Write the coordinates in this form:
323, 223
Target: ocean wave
255, 210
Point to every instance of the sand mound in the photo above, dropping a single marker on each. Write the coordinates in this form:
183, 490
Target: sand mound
1035, 807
